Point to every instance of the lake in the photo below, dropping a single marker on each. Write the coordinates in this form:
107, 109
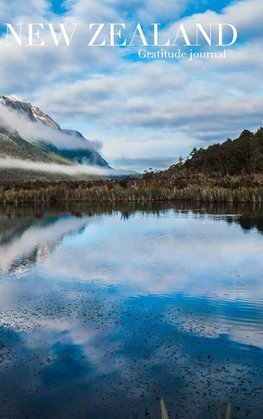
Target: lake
104, 310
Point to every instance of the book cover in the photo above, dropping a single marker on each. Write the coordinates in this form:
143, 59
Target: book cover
131, 188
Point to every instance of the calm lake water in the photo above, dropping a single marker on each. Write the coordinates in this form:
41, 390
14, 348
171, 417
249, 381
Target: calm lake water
104, 310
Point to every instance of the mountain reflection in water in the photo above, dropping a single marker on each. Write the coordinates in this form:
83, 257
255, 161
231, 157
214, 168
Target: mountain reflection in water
104, 309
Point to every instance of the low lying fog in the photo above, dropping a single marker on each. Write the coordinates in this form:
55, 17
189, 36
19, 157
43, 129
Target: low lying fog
76, 169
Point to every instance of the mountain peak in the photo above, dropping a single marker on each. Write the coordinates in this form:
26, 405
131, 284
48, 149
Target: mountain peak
16, 98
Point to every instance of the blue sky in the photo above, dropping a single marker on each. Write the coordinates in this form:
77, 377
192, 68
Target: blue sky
58, 7
141, 113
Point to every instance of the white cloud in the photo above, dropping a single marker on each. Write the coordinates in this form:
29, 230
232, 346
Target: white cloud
36, 131
10, 10
76, 169
38, 238
116, 10
177, 107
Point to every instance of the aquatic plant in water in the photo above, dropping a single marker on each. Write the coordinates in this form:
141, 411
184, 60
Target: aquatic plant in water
164, 411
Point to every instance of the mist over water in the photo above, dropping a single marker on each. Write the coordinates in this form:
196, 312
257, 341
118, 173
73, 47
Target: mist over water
105, 309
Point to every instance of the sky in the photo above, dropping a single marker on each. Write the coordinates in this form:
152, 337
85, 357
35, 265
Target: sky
141, 113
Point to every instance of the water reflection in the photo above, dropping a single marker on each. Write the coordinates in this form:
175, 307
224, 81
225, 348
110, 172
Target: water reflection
27, 234
105, 309
26, 240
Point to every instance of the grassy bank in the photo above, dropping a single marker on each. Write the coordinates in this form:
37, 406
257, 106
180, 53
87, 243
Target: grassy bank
151, 187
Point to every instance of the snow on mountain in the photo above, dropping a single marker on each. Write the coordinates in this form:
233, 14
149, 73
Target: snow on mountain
27, 109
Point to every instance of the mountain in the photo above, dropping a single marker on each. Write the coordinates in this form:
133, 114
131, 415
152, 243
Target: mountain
26, 132
14, 146
86, 155
27, 238
27, 109
241, 156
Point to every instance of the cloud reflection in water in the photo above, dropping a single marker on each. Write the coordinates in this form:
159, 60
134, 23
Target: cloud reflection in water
123, 311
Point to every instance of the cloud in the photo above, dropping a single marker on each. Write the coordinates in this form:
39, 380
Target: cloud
116, 10
17, 9
76, 169
176, 102
187, 265
38, 238
97, 144
244, 15
37, 131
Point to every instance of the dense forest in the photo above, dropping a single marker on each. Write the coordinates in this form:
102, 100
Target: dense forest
243, 155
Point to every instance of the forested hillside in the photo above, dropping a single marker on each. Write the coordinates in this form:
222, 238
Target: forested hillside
243, 155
